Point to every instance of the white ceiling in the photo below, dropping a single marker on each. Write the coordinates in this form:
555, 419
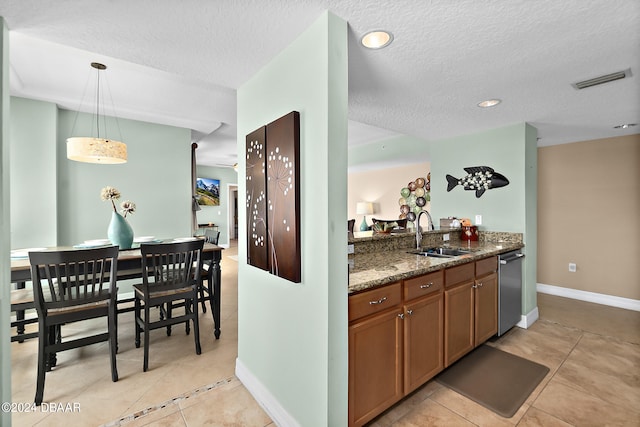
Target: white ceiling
180, 63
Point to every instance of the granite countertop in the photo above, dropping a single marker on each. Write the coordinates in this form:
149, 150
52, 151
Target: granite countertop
370, 270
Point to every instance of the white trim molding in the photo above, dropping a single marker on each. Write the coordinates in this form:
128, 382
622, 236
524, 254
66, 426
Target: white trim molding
610, 300
264, 397
528, 319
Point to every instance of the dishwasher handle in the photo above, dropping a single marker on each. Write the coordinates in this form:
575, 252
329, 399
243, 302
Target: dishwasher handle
515, 257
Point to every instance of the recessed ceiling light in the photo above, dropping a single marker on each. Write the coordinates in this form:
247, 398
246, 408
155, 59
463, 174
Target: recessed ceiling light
377, 39
489, 103
625, 126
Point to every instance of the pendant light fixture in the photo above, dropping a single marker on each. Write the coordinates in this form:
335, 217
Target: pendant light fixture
96, 149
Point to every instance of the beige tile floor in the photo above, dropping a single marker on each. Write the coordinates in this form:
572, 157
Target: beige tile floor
593, 353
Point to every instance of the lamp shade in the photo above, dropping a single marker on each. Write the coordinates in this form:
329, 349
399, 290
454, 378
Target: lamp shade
96, 150
93, 149
364, 208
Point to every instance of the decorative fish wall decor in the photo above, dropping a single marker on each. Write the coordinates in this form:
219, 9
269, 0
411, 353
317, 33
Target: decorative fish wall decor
479, 178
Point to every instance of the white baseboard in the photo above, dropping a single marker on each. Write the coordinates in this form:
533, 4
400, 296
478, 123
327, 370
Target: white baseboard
528, 319
610, 300
264, 397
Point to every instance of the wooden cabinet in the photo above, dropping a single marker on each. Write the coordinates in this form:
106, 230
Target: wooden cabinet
375, 352
470, 306
401, 335
458, 312
423, 329
486, 300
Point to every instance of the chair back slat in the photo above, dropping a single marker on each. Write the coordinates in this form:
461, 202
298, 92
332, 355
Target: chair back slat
169, 266
73, 277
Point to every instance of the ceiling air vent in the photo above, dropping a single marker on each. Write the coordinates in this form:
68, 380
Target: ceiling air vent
602, 79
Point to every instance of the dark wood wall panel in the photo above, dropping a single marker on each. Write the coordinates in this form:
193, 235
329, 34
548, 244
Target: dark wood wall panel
283, 196
273, 197
256, 201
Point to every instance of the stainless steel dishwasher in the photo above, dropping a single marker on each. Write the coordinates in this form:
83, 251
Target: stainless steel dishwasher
509, 290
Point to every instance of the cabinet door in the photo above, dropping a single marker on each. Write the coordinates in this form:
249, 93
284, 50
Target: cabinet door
375, 366
486, 304
423, 341
458, 322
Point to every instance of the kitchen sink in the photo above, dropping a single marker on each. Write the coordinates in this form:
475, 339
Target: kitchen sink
440, 252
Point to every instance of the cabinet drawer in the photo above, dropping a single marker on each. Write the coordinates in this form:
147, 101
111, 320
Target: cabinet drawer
374, 301
486, 266
423, 285
459, 274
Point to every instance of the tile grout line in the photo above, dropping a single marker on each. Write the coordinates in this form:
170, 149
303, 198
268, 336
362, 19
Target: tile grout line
184, 396
532, 404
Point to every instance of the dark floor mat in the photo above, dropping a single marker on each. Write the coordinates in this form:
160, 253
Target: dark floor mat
495, 379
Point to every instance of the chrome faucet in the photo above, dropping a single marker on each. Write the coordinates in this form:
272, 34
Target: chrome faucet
419, 231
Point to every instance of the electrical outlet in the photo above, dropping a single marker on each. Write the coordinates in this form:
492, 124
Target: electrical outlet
350, 249
445, 237
478, 219
572, 267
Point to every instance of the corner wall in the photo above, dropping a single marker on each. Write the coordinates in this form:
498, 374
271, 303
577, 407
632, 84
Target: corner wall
34, 207
511, 152
382, 187
218, 214
5, 212
588, 212
292, 343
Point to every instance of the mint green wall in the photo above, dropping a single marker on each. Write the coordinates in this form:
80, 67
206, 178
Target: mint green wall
218, 214
33, 183
156, 177
293, 337
509, 151
530, 296
5, 267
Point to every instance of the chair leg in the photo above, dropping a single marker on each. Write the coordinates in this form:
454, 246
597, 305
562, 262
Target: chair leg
196, 326
54, 336
43, 340
136, 320
187, 311
113, 343
169, 307
145, 365
202, 300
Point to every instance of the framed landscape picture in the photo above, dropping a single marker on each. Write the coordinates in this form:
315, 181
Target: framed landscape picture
208, 191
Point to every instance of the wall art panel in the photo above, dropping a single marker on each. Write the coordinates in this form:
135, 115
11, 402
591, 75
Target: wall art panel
273, 197
257, 253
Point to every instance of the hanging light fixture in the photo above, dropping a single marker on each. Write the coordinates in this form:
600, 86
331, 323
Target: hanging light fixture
95, 149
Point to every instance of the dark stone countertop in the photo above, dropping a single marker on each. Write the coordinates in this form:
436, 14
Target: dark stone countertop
370, 270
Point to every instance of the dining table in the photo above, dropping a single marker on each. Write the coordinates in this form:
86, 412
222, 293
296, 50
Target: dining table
129, 267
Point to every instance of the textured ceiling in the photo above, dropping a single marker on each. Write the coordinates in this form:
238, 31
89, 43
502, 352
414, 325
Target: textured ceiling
180, 63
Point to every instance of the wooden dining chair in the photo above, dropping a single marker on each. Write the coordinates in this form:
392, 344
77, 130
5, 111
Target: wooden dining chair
171, 275
210, 236
71, 286
21, 302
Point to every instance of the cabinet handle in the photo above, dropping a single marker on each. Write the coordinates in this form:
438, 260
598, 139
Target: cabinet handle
409, 312
401, 315
380, 301
474, 286
427, 286
480, 284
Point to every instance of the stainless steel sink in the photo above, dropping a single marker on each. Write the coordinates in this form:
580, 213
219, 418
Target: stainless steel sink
440, 252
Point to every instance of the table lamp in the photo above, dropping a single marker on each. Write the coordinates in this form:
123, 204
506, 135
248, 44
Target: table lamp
364, 208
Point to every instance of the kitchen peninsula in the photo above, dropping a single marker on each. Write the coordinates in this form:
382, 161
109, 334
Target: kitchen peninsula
411, 316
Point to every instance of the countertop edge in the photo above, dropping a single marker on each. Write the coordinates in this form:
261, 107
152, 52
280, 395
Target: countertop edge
418, 265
